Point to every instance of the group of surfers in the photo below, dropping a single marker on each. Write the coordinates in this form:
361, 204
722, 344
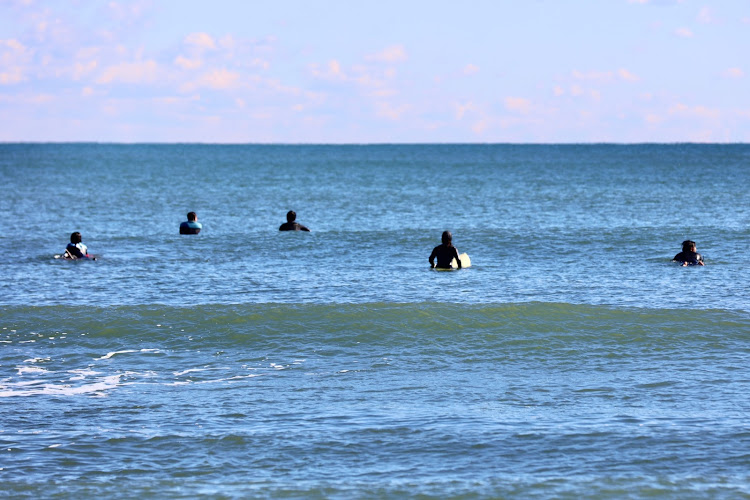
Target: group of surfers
444, 253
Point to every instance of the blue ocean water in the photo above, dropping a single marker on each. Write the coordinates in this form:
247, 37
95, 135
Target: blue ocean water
572, 359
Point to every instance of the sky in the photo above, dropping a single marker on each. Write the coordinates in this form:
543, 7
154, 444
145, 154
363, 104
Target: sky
406, 71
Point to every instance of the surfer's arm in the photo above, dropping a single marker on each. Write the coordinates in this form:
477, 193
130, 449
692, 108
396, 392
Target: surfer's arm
432, 259
455, 256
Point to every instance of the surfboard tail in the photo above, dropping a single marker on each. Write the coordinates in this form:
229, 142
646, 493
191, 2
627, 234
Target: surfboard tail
465, 261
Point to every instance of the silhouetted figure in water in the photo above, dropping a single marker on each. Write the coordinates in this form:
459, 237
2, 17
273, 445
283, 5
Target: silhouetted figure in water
445, 253
290, 225
688, 256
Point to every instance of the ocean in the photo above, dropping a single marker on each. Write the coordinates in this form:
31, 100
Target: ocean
572, 359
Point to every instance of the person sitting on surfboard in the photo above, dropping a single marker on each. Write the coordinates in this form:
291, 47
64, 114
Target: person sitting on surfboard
445, 253
76, 249
290, 225
688, 256
191, 226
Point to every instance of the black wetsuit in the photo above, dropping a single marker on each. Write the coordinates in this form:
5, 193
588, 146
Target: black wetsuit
292, 226
445, 254
692, 258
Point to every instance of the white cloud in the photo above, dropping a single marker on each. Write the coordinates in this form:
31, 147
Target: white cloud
185, 63
518, 105
601, 76
684, 33
81, 69
331, 71
134, 72
220, 79
558, 90
706, 16
392, 54
15, 57
627, 75
480, 126
461, 109
200, 40
471, 69
388, 110
734, 73
11, 76
128, 11
680, 109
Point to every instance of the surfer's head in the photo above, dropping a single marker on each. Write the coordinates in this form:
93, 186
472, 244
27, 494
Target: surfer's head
291, 215
688, 246
75, 238
192, 217
447, 237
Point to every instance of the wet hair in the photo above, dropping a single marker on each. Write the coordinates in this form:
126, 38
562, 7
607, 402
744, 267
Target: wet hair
291, 215
191, 216
75, 237
688, 246
447, 237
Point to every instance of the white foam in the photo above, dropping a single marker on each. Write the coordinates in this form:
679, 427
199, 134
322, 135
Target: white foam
193, 370
36, 360
25, 370
110, 354
96, 388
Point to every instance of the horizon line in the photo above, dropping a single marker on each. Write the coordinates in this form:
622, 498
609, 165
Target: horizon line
197, 143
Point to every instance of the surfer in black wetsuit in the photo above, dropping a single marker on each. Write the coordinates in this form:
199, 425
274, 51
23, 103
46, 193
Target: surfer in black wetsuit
445, 253
688, 256
290, 225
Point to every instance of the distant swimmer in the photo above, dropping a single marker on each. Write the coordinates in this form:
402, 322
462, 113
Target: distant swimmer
290, 225
445, 253
191, 226
688, 256
76, 249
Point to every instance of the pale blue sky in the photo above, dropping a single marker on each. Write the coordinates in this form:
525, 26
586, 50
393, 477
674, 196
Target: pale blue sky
369, 72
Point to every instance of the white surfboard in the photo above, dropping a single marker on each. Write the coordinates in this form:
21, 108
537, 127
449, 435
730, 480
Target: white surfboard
465, 261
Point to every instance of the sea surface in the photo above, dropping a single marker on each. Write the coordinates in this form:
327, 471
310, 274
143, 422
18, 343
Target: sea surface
573, 359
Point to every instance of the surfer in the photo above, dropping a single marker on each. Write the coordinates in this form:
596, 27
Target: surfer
290, 225
191, 225
688, 256
76, 249
445, 253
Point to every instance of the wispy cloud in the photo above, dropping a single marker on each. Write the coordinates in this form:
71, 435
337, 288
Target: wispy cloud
471, 69
139, 72
518, 105
734, 73
392, 54
627, 75
680, 109
202, 41
14, 59
684, 32
706, 16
